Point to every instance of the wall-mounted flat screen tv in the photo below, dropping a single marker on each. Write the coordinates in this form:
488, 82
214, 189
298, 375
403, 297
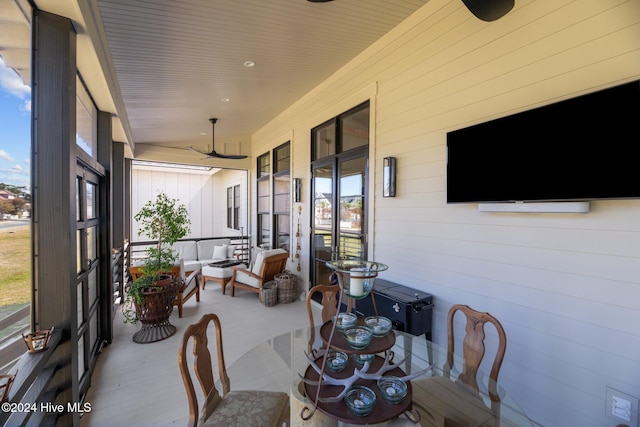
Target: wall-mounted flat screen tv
584, 148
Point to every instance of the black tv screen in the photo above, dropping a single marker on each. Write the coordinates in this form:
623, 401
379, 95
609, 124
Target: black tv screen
584, 148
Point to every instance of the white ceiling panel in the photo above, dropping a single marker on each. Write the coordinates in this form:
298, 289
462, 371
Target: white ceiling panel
175, 61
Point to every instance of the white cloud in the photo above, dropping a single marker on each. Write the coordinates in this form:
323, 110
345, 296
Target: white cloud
6, 156
11, 82
17, 168
14, 177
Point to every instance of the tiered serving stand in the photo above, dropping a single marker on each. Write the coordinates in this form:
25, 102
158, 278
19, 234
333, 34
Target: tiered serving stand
355, 279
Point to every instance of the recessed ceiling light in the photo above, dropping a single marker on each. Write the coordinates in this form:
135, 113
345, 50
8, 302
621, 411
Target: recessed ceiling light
225, 99
249, 64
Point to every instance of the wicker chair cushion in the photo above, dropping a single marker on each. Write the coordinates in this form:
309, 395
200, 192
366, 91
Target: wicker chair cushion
248, 408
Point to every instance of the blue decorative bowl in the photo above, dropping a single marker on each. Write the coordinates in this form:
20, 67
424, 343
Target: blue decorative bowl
360, 400
358, 337
379, 324
392, 389
361, 359
336, 361
345, 321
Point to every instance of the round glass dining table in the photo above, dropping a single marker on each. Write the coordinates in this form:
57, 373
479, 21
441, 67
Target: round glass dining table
279, 363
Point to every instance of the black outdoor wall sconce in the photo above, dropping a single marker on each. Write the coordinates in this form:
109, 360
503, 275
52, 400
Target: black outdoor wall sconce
389, 177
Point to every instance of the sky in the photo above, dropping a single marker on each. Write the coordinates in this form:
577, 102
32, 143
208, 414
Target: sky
15, 129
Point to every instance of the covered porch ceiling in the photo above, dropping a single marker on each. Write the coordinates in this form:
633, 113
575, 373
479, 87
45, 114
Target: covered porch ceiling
172, 65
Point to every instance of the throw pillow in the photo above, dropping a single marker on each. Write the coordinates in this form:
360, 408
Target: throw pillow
220, 252
231, 249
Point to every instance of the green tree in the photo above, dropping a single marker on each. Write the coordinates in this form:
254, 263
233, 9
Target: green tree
18, 206
5, 206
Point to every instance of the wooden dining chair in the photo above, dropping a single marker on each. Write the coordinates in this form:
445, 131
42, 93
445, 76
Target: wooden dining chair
329, 301
231, 408
473, 350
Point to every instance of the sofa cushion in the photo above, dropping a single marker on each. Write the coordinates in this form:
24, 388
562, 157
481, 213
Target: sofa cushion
186, 250
205, 248
191, 265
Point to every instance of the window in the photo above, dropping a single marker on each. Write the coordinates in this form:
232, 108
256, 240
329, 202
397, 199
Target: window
342, 133
229, 207
282, 196
86, 120
274, 198
264, 198
15, 179
233, 207
236, 207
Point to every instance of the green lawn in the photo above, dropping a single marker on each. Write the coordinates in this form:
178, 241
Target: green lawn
15, 265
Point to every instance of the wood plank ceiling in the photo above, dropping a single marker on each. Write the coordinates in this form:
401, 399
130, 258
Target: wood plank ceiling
178, 63
14, 37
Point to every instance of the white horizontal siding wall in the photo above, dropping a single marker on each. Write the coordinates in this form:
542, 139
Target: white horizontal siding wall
566, 287
205, 197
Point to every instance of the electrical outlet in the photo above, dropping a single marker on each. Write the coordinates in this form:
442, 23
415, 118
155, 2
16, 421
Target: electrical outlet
622, 407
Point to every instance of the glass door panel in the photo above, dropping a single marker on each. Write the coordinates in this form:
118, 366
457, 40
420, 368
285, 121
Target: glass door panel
323, 213
88, 273
339, 223
351, 231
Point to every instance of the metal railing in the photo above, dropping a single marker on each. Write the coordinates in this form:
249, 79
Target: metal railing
12, 326
243, 253
32, 387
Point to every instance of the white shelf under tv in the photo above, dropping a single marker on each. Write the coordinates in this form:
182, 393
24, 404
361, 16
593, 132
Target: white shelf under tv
536, 207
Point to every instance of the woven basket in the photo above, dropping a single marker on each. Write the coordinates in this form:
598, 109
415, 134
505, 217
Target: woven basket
287, 287
270, 294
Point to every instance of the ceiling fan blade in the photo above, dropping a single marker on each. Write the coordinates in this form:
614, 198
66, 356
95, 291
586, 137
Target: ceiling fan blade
227, 156
218, 155
198, 151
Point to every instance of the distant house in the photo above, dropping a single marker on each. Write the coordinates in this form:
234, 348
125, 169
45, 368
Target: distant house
6, 194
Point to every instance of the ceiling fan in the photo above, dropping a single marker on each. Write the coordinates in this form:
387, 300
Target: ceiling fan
489, 10
486, 10
213, 152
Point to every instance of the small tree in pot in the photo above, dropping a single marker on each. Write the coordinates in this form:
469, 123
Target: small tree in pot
165, 221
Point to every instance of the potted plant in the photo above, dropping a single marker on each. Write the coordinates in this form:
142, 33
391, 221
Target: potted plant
164, 221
